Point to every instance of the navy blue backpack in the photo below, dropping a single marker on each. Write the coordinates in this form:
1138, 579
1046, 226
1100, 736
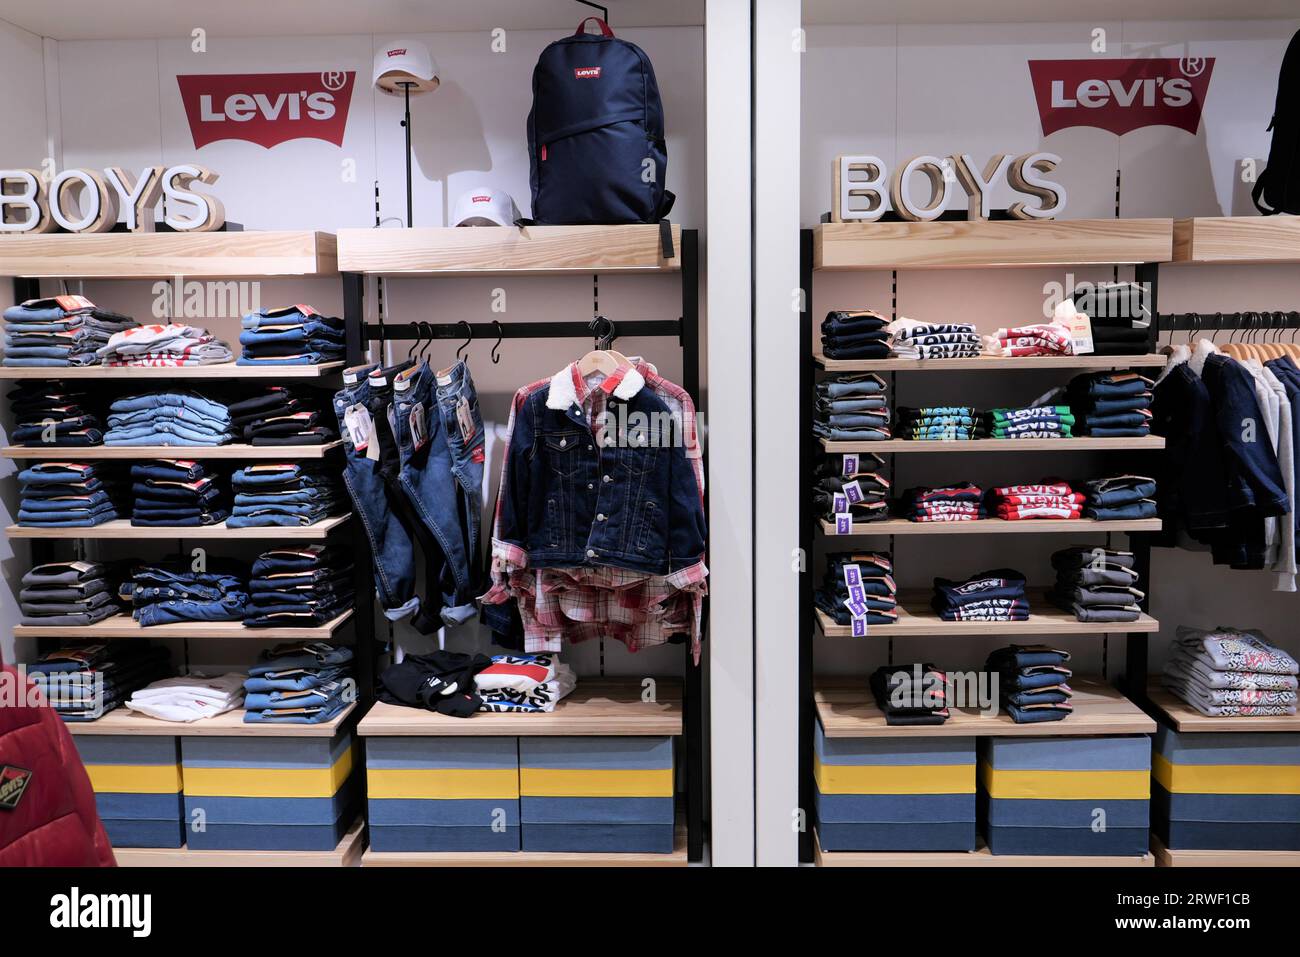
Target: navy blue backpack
596, 145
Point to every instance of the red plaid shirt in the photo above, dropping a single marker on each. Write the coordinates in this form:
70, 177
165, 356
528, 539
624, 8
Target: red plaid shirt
603, 602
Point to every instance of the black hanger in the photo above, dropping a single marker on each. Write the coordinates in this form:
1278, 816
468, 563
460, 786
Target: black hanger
496, 346
415, 343
469, 337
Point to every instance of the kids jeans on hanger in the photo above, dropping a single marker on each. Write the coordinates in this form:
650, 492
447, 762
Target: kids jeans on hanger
440, 441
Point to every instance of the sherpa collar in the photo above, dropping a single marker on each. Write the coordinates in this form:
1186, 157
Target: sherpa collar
569, 388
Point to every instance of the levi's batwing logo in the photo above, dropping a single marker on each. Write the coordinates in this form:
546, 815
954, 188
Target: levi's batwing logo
586, 73
13, 784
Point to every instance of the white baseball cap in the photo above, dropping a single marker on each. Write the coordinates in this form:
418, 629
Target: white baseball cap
485, 206
405, 63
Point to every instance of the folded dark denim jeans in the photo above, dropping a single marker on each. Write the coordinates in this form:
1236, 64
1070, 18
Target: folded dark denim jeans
844, 386
1115, 513
1036, 715
866, 350
232, 607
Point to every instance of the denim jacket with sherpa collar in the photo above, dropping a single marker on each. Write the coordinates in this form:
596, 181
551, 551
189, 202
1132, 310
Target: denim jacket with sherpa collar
597, 474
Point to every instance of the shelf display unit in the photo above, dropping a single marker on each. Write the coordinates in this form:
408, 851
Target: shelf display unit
547, 251
849, 708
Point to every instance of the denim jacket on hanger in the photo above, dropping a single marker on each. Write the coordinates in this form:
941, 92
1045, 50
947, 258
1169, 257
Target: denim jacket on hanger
597, 474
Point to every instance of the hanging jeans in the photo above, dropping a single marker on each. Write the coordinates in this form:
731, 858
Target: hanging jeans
440, 441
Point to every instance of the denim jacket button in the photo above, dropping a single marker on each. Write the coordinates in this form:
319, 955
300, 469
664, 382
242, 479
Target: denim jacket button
600, 516
607, 478
591, 553
591, 485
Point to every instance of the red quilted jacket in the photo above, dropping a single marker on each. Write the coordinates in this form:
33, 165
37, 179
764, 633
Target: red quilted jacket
53, 822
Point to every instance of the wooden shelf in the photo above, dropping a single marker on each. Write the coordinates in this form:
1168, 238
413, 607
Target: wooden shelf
124, 626
962, 244
221, 370
847, 709
599, 706
1237, 239
231, 255
1186, 718
275, 453
122, 528
1195, 858
915, 617
347, 854
528, 858
994, 526
1082, 444
518, 251
980, 857
228, 725
989, 363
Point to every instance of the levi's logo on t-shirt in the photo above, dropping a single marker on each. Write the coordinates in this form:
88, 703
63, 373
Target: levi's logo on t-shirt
586, 73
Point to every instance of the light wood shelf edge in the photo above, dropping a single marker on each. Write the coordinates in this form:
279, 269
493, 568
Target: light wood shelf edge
1046, 620
124, 626
1186, 718
133, 452
992, 526
989, 363
217, 371
1003, 446
228, 725
1243, 240
1198, 858
123, 529
980, 857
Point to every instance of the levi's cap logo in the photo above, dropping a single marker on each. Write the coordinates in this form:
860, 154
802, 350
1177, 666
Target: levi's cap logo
480, 199
398, 51
586, 72
13, 784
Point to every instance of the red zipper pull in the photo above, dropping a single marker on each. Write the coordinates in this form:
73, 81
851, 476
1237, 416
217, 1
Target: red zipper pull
543, 151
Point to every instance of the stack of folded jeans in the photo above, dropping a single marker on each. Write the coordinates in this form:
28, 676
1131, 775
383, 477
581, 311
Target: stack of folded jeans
1035, 339
70, 593
1111, 404
1043, 500
302, 682
48, 413
277, 415
948, 503
1121, 497
62, 331
858, 588
944, 423
915, 694
168, 418
855, 334
995, 595
68, 495
172, 592
290, 494
1226, 673
852, 408
83, 681
299, 587
524, 683
935, 340
170, 345
291, 336
1035, 422
1032, 682
169, 492
1097, 584
850, 484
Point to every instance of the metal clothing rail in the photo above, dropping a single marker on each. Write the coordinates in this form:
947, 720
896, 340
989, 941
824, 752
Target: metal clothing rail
686, 329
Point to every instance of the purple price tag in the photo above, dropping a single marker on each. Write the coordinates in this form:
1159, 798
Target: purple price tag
850, 466
852, 575
843, 524
839, 502
856, 608
853, 491
859, 627
857, 593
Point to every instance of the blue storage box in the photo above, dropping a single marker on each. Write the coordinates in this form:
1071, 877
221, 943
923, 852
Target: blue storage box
443, 793
1082, 796
1226, 791
596, 794
894, 794
269, 793
137, 781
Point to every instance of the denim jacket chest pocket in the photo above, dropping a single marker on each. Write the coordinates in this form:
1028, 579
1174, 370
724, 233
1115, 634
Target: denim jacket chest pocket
562, 449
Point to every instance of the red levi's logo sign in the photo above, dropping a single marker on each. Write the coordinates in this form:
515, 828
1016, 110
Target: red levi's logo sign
586, 73
267, 108
1121, 95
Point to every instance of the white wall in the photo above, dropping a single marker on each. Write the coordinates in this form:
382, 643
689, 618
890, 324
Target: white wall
897, 92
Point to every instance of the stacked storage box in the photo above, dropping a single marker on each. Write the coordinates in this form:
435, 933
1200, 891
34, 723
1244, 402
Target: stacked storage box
443, 794
137, 782
895, 794
1087, 796
270, 793
596, 794
1230, 791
